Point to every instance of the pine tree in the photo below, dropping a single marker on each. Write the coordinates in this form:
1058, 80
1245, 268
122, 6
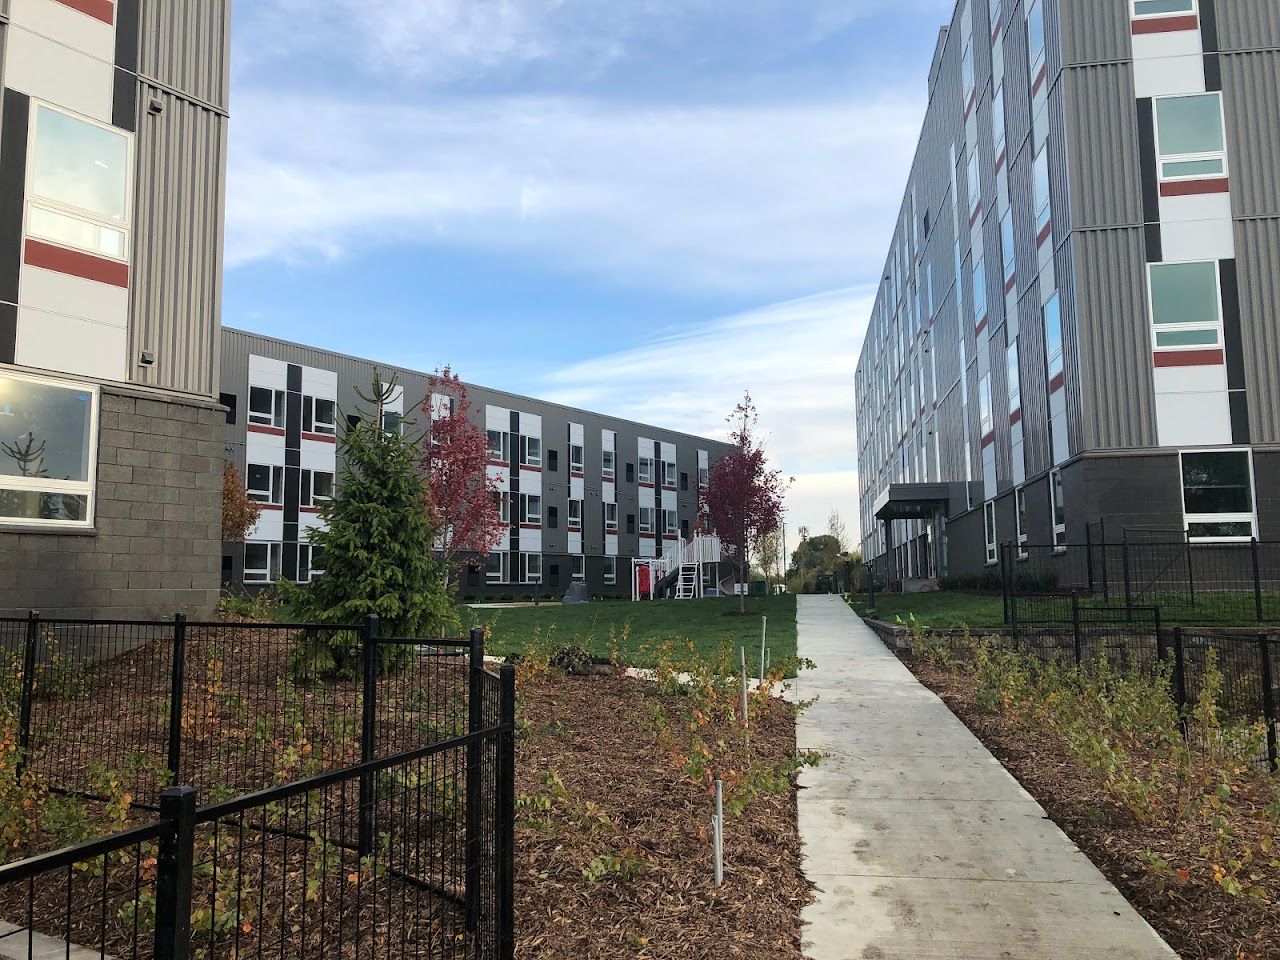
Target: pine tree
375, 546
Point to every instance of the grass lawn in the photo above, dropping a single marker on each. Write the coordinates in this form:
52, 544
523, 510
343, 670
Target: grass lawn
944, 609
638, 627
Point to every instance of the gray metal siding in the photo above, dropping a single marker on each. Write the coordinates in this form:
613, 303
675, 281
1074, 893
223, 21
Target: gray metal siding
1114, 340
184, 45
1248, 24
1103, 163
177, 266
1258, 254
1096, 31
1251, 93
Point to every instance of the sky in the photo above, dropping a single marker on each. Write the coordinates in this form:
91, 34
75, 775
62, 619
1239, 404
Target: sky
641, 207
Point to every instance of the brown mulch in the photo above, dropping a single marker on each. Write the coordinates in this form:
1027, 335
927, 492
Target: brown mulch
592, 733
1194, 916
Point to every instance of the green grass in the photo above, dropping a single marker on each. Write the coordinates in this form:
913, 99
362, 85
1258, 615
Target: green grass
943, 610
703, 623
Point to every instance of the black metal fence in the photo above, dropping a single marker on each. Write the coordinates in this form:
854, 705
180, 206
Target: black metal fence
352, 807
1192, 583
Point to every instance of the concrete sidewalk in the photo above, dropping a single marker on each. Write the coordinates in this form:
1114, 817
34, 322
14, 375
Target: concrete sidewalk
920, 843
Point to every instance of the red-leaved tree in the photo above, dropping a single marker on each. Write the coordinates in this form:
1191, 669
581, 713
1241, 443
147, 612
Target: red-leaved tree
743, 499
461, 498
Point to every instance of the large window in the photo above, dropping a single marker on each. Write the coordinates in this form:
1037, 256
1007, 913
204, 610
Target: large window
264, 483
608, 464
997, 120
266, 407
989, 525
610, 569
319, 416
1058, 508
1020, 503
1013, 380
670, 523
1035, 37
966, 76
974, 184
499, 446
610, 518
1186, 308
531, 568
669, 475
79, 184
48, 444
576, 461
316, 488
261, 562
1044, 207
579, 567
575, 514
646, 521
1190, 138
530, 508
1217, 495
985, 422
979, 292
531, 451
645, 470
1053, 339
496, 567
1008, 250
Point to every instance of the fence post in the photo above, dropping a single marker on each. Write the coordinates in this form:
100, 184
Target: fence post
28, 686
1012, 618
1179, 670
1257, 578
1191, 573
1159, 636
505, 818
174, 867
1106, 580
176, 684
1269, 699
475, 721
1075, 628
368, 720
1128, 589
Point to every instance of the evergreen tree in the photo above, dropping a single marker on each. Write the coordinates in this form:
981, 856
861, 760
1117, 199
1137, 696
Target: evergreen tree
375, 547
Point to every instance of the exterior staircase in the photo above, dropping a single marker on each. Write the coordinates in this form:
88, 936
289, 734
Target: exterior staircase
689, 581
678, 572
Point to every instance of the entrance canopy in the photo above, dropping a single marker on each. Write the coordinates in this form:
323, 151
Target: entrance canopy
913, 501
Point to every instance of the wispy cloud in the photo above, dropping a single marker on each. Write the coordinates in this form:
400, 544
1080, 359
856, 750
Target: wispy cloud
797, 358
766, 198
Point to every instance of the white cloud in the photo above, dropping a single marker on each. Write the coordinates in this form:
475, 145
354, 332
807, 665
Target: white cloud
771, 198
797, 358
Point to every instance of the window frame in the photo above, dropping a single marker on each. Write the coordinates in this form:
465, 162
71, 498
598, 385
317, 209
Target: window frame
528, 515
1191, 518
1057, 510
528, 458
644, 475
1020, 520
86, 488
573, 517
669, 475
610, 525
1201, 155
577, 458
1188, 327
527, 574
275, 418
608, 464
1194, 8
1043, 206
610, 569
1036, 58
501, 454
578, 567
271, 573
64, 209
503, 573
989, 532
275, 484
646, 529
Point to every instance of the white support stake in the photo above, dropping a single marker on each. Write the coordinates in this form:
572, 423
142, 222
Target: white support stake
743, 671
717, 831
764, 629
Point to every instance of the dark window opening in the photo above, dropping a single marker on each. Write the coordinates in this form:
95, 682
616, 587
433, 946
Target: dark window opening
228, 400
631, 523
353, 420
553, 518
631, 473
553, 460
684, 481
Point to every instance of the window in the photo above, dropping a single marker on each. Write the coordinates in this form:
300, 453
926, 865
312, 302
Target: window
575, 514
264, 483
997, 121
79, 184
392, 422
684, 480
979, 292
228, 400
670, 523
1020, 502
1058, 510
496, 567
531, 568
1186, 308
975, 188
1190, 138
503, 502
608, 464
1008, 251
1159, 8
531, 451
553, 461
310, 562
1044, 208
669, 475
1013, 380
553, 518
1217, 495
610, 518
261, 562
576, 462
646, 470
316, 487
1053, 339
989, 523
704, 478
646, 521
1035, 37
530, 508
266, 407
498, 446
48, 440
966, 75
319, 416
610, 569
984, 404
579, 567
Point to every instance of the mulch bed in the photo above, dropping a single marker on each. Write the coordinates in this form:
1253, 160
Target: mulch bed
592, 733
1195, 917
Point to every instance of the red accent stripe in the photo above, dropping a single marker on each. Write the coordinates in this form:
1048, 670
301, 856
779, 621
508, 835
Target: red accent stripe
320, 437
104, 10
270, 431
988, 440
75, 263
1045, 234
270, 506
530, 526
670, 536
647, 486
1167, 24
1191, 188
1015, 417
1189, 358
1057, 383
968, 107
981, 326
577, 473
531, 469
1040, 77
995, 31
1004, 155
499, 463
973, 217
308, 509
1010, 284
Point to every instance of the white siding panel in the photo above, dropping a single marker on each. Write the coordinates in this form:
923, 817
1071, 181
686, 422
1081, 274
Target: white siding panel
49, 71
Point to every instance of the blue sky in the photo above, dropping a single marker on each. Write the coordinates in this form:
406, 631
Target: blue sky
640, 206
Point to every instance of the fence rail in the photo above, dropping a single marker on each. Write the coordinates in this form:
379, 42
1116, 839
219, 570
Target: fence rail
395, 839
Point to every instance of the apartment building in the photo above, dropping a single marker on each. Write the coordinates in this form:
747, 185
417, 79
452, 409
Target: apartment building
581, 493
1079, 317
112, 166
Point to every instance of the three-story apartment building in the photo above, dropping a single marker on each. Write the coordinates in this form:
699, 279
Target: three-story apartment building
1079, 318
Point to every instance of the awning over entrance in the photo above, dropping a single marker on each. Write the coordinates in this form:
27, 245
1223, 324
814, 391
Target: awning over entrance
914, 501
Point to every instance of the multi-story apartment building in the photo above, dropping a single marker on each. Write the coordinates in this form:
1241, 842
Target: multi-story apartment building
1079, 318
112, 165
582, 493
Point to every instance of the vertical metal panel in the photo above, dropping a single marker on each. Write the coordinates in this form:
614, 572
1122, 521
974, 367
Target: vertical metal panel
177, 249
1114, 339
1104, 182
1032, 386
1248, 24
1096, 31
1064, 268
1251, 91
1257, 256
184, 44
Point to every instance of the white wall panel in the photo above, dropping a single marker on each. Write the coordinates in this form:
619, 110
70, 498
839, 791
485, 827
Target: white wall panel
66, 25
52, 341
58, 74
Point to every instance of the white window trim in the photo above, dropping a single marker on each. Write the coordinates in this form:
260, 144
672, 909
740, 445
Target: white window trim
669, 477
1163, 158
275, 494
503, 573
579, 566
79, 213
274, 547
1134, 15
277, 407
989, 532
84, 488
610, 569
527, 459
1059, 529
645, 529
644, 470
1019, 508
526, 573
574, 518
1157, 328
325, 426
526, 514
610, 526
1190, 518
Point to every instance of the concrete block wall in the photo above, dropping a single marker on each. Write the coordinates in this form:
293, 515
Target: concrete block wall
156, 545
